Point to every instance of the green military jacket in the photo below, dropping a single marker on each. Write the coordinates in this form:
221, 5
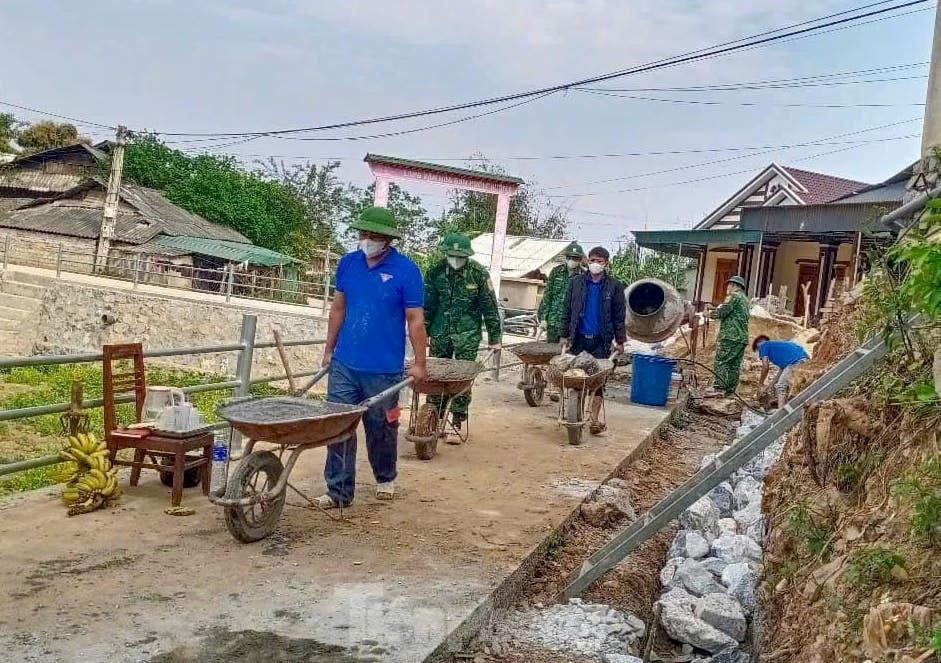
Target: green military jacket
458, 303
734, 315
553, 298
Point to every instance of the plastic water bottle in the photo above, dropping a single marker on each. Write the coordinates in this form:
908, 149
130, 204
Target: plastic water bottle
220, 463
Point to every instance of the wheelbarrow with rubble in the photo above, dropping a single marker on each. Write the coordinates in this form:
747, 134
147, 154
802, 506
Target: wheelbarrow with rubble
429, 422
577, 389
534, 357
255, 492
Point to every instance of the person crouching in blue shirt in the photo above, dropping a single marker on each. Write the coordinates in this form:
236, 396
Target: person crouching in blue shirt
783, 354
593, 319
379, 296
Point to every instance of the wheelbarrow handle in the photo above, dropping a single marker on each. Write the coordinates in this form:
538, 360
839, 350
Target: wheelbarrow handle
394, 389
313, 380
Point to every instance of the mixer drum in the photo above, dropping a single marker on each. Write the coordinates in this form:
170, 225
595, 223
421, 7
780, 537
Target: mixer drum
654, 310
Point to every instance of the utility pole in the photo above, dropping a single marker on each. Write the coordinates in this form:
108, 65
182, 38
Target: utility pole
931, 129
109, 211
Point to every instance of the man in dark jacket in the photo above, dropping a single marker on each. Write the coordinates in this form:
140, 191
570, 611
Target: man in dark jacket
593, 318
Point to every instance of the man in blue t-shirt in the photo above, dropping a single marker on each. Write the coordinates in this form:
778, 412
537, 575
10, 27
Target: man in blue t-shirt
379, 297
783, 354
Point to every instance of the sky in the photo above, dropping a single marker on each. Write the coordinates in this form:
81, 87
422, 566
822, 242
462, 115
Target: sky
178, 66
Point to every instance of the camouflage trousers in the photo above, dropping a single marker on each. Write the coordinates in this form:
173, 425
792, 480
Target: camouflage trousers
451, 348
553, 334
728, 366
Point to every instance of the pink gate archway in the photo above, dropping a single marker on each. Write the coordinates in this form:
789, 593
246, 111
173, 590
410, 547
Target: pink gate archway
390, 169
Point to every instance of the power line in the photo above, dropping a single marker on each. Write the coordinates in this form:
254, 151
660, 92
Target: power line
753, 154
799, 80
752, 41
382, 135
702, 102
707, 178
738, 87
61, 117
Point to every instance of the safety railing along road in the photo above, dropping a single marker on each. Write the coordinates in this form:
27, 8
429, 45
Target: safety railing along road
240, 384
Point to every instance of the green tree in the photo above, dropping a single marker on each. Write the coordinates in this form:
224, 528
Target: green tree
8, 130
418, 233
47, 135
267, 212
531, 213
328, 202
632, 262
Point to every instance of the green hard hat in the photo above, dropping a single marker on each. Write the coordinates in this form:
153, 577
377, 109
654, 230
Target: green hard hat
737, 280
377, 220
456, 244
574, 250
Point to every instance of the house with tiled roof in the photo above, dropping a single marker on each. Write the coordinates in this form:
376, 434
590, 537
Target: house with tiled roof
784, 227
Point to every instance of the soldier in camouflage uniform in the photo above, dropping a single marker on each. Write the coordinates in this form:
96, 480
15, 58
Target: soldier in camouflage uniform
459, 301
733, 336
553, 299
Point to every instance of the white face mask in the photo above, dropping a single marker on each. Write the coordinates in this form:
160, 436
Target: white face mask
572, 263
595, 268
456, 262
372, 247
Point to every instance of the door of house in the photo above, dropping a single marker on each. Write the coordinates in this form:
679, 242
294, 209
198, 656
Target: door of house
806, 271
726, 268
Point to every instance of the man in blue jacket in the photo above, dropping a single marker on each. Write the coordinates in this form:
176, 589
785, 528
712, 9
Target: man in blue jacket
379, 298
783, 354
593, 319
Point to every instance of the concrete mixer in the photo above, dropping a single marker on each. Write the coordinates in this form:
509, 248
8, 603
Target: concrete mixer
654, 310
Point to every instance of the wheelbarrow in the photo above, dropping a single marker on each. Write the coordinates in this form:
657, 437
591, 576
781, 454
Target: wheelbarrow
426, 422
577, 392
255, 493
535, 358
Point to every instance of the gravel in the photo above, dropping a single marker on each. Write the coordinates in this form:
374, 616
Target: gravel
575, 628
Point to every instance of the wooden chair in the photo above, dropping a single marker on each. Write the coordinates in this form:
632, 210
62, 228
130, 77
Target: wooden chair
152, 445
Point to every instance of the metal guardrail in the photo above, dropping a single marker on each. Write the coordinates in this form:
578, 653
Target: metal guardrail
146, 269
240, 385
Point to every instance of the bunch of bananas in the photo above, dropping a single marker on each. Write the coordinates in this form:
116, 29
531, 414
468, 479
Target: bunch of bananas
93, 482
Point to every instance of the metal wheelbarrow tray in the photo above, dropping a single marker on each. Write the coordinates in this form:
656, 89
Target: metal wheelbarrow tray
255, 493
445, 376
534, 356
290, 421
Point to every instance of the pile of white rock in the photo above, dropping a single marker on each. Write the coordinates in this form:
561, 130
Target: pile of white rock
591, 629
712, 567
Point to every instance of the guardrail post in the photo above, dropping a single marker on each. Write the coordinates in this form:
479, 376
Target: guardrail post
59, 261
326, 281
136, 270
243, 368
6, 251
228, 282
497, 354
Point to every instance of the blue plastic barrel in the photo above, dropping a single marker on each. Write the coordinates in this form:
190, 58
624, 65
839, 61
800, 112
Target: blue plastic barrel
650, 379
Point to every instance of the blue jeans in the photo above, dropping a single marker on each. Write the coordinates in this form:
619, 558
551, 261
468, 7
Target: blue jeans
381, 423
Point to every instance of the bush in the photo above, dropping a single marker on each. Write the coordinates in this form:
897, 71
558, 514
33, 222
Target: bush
872, 566
922, 488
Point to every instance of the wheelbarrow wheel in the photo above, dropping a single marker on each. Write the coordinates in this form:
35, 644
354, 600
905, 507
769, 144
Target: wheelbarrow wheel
537, 391
425, 435
573, 416
258, 472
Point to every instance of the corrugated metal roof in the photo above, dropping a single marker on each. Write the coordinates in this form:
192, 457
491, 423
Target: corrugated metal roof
153, 215
425, 165
58, 152
232, 251
169, 219
73, 221
7, 204
817, 219
690, 241
36, 180
520, 254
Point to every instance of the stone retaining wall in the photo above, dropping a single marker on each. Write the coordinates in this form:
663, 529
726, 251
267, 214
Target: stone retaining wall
81, 318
